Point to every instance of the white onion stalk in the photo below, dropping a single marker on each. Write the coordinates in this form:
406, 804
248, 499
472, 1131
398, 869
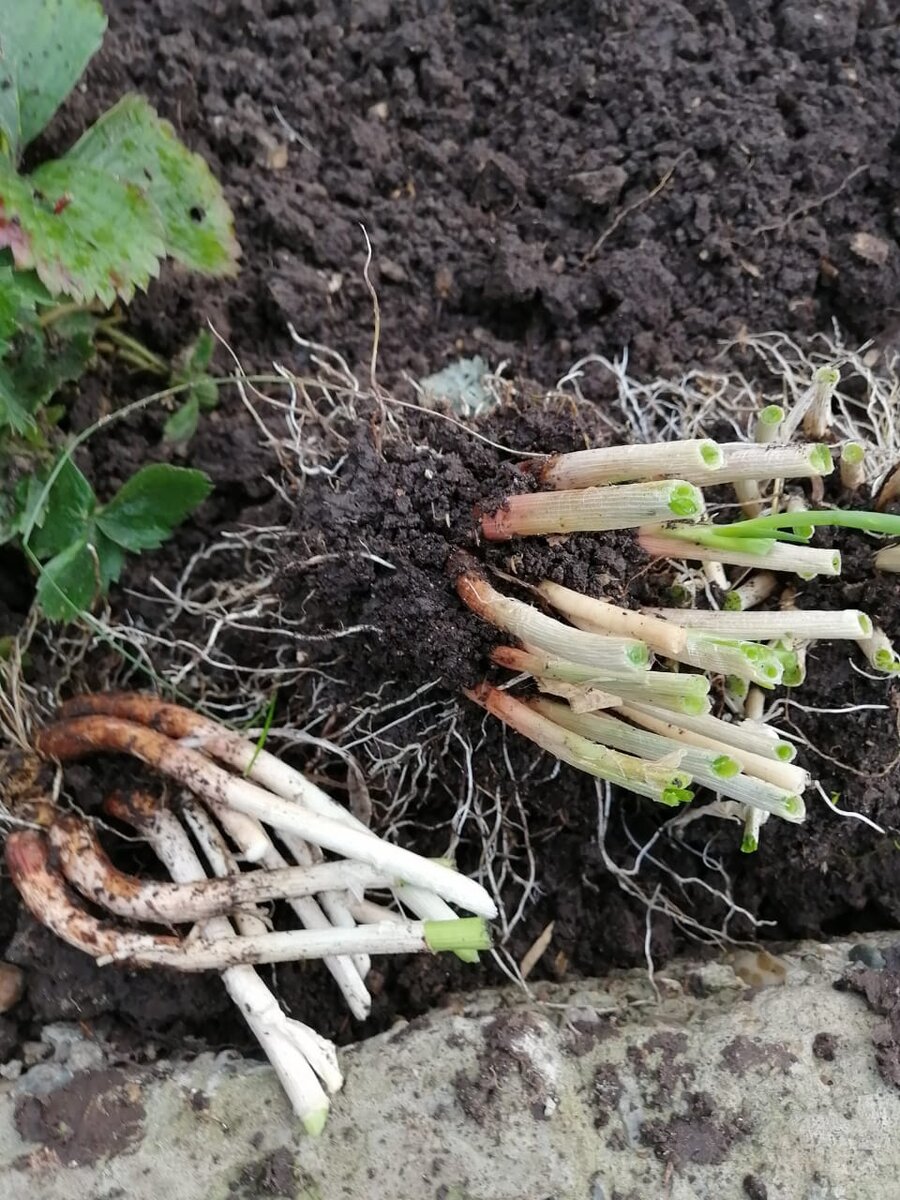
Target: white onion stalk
853, 466
621, 464
754, 820
665, 637
813, 409
768, 424
744, 460
753, 736
551, 636
888, 559
682, 692
260, 766
880, 652
594, 509
780, 774
802, 624
805, 561
708, 767
294, 1050
715, 769
754, 590
732, 656
84, 735
86, 865
664, 784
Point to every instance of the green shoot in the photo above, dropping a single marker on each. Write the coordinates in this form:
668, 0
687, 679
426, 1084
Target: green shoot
469, 934
802, 522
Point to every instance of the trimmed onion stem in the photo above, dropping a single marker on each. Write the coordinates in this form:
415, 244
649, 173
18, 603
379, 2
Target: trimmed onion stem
853, 466
744, 460
553, 637
782, 775
663, 784
86, 735
258, 765
593, 509
705, 766
803, 624
619, 464
754, 590
805, 561
768, 424
663, 636
85, 864
888, 559
880, 652
753, 823
716, 769
683, 692
732, 656
754, 737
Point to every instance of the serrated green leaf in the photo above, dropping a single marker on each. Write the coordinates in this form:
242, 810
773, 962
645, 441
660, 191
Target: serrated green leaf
110, 558
20, 294
199, 355
69, 582
87, 236
44, 47
13, 413
150, 504
182, 425
134, 145
67, 511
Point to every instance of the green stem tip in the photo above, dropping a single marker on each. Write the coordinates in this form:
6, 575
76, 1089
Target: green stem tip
465, 934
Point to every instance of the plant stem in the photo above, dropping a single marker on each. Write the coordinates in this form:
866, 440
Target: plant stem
805, 561
754, 590
663, 636
745, 460
802, 624
802, 521
622, 464
592, 509
133, 351
759, 740
853, 466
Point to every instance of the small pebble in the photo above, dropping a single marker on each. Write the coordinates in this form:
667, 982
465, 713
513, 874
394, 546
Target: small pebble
869, 956
12, 985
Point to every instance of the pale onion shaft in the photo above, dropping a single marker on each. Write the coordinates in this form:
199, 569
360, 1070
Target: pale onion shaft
754, 590
620, 464
259, 765
629, 772
699, 763
802, 624
731, 656
594, 509
85, 735
642, 743
667, 688
888, 559
284, 1040
664, 636
880, 652
86, 865
745, 460
725, 737
853, 466
768, 424
805, 561
533, 627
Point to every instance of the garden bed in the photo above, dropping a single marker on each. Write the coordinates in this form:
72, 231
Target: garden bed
725, 162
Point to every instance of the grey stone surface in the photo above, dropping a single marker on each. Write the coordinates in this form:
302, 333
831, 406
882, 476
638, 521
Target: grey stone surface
597, 1091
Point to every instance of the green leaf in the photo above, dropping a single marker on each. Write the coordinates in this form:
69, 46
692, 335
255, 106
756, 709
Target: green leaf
110, 558
182, 425
20, 294
69, 582
13, 413
44, 47
146, 509
66, 513
88, 236
134, 145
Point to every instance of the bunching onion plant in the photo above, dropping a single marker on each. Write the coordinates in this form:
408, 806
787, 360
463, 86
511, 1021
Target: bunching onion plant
624, 695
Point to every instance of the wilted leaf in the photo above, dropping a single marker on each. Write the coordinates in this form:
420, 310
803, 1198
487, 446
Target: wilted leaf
134, 145
150, 504
66, 512
44, 47
87, 236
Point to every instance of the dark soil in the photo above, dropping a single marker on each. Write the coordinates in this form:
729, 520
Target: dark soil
487, 148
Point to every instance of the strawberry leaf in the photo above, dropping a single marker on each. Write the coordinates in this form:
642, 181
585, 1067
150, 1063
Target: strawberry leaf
68, 582
66, 512
146, 509
44, 47
134, 145
87, 235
